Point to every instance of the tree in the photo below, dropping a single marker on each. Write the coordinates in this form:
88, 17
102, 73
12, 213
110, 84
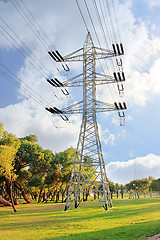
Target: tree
111, 187
9, 145
117, 187
49, 168
29, 159
138, 186
7, 156
121, 190
30, 138
62, 171
155, 185
1, 130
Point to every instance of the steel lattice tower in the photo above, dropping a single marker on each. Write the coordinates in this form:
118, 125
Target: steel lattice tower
89, 172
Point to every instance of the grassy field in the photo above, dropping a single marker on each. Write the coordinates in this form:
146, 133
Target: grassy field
129, 219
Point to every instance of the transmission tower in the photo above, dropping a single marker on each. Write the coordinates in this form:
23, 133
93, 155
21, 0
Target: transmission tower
89, 173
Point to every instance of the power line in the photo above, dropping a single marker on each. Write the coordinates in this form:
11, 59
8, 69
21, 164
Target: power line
38, 24
27, 89
116, 20
24, 53
111, 22
98, 43
27, 86
24, 45
37, 31
119, 85
103, 15
105, 39
41, 35
82, 16
29, 22
18, 85
100, 22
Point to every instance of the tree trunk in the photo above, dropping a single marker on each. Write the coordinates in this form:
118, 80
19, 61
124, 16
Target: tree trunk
23, 192
57, 197
9, 184
122, 194
63, 195
5, 202
87, 194
15, 201
53, 195
40, 194
111, 195
83, 197
117, 193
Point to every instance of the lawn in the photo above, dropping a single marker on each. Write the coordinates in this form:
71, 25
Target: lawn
129, 219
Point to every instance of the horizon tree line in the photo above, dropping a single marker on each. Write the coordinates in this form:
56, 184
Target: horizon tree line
29, 171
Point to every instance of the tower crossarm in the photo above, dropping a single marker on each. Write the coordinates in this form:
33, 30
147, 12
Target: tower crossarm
76, 81
100, 53
106, 107
77, 108
74, 108
75, 56
100, 79
105, 53
106, 79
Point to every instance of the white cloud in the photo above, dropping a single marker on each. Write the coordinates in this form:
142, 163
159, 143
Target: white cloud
105, 136
142, 53
141, 59
65, 29
115, 120
153, 3
138, 168
143, 80
27, 118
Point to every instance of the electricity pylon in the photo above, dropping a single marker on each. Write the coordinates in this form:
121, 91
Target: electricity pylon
89, 173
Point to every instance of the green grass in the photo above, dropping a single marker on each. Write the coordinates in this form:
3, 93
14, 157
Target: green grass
129, 219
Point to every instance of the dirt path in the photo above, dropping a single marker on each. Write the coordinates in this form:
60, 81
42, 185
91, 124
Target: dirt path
156, 237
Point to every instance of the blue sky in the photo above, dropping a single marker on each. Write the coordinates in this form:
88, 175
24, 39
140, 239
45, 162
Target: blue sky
139, 29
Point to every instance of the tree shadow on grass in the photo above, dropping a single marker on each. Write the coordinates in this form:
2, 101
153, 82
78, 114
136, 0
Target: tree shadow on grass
140, 231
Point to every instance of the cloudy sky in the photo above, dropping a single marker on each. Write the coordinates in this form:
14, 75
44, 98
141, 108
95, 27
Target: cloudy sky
29, 29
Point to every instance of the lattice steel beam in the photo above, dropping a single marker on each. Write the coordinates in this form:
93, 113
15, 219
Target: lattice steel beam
89, 173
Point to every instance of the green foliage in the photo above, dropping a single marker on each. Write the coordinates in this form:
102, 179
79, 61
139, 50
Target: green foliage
111, 186
30, 138
23, 175
1, 129
10, 140
38, 171
30, 155
140, 184
7, 157
155, 185
117, 186
9, 145
64, 161
35, 181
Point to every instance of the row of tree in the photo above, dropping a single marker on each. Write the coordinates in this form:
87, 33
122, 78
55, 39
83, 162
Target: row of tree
27, 170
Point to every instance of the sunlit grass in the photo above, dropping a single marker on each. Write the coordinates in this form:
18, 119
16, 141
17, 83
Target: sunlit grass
129, 219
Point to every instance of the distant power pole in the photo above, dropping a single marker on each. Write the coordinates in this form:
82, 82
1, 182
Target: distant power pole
89, 173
